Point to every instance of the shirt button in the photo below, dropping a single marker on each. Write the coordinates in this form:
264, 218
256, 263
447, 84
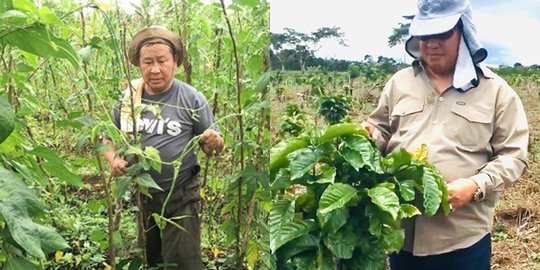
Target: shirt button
441, 98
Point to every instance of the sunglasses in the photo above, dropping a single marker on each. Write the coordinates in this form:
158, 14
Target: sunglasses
441, 37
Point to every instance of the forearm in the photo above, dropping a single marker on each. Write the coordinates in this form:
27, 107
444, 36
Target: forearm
109, 154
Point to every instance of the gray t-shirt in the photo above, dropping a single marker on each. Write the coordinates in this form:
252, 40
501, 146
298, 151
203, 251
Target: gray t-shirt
185, 113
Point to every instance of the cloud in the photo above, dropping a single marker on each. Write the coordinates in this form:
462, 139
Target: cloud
507, 33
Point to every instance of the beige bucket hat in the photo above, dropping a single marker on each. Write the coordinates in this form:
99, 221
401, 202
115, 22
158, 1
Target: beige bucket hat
152, 34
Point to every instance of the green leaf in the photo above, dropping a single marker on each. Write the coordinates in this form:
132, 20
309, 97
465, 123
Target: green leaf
255, 62
344, 129
385, 199
117, 239
409, 210
19, 264
13, 18
282, 213
299, 245
6, 5
253, 252
47, 154
7, 119
279, 153
375, 224
281, 180
155, 159
432, 193
249, 3
361, 152
122, 184
331, 222
328, 175
337, 196
16, 203
306, 202
406, 188
98, 236
25, 5
145, 180
445, 203
393, 238
264, 80
48, 17
38, 40
324, 259
11, 185
342, 243
302, 161
397, 159
291, 231
95, 205
60, 171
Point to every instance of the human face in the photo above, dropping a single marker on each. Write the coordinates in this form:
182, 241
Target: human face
439, 52
157, 66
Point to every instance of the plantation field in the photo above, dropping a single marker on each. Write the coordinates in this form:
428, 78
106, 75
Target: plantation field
63, 67
517, 220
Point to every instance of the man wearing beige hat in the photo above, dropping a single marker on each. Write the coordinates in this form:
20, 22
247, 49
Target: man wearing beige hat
184, 113
475, 129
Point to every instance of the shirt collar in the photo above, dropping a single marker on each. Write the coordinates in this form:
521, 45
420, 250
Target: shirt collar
480, 68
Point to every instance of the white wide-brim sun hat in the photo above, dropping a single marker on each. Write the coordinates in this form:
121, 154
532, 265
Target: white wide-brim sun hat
439, 16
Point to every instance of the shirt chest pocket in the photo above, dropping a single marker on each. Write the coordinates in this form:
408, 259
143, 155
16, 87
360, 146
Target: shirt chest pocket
405, 115
469, 126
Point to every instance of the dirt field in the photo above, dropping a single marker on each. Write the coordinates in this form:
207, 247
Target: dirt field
516, 234
516, 241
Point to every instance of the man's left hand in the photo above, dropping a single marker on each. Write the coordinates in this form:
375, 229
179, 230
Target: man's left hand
211, 142
461, 191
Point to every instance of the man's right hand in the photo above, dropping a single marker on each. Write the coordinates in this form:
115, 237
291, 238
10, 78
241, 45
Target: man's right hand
373, 131
119, 167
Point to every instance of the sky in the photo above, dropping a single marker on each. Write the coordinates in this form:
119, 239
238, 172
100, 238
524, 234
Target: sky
509, 30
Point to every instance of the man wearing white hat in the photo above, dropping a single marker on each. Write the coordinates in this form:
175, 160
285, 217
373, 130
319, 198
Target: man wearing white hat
473, 124
184, 113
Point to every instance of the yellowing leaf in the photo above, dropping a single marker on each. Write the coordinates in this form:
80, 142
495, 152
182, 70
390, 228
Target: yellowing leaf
215, 251
202, 193
420, 154
104, 4
58, 255
107, 267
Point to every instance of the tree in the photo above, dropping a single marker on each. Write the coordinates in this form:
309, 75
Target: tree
293, 48
401, 32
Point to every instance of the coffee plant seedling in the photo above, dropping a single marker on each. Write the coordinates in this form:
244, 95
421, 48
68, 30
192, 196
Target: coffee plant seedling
293, 122
334, 108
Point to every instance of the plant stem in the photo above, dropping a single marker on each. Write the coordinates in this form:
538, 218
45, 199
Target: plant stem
141, 230
85, 68
184, 34
107, 186
214, 101
239, 253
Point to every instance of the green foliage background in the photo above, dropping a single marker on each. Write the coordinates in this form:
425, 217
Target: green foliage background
62, 67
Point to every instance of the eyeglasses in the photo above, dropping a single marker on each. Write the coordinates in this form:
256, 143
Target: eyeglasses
441, 37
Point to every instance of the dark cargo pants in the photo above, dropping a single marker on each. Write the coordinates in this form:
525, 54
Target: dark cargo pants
475, 257
175, 246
